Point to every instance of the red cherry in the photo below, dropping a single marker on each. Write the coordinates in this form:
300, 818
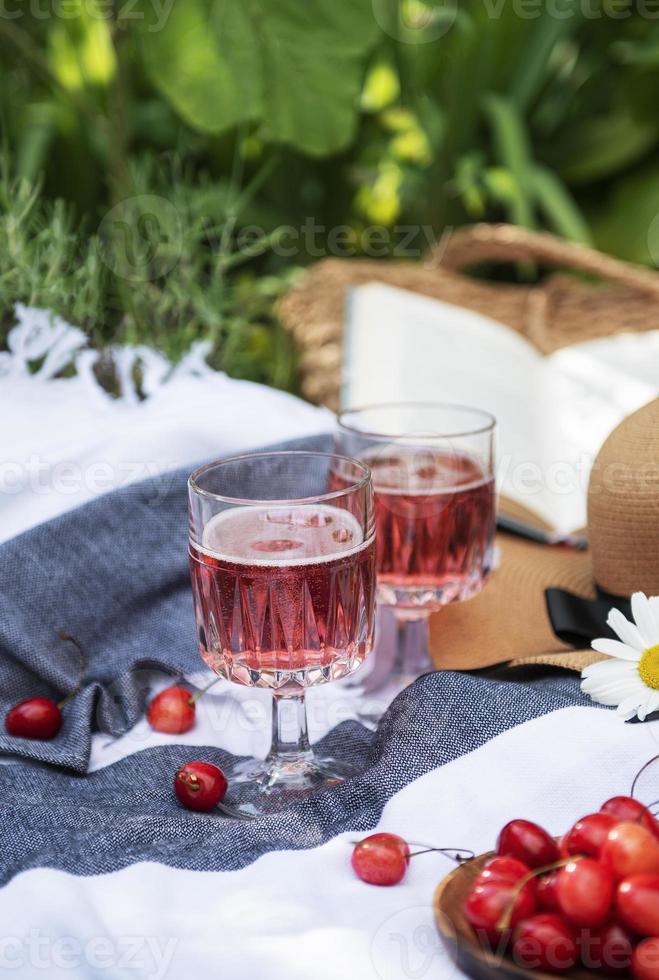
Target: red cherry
172, 711
38, 718
527, 842
627, 809
645, 961
637, 904
630, 849
200, 785
606, 949
588, 834
381, 859
545, 942
503, 869
585, 892
490, 901
546, 892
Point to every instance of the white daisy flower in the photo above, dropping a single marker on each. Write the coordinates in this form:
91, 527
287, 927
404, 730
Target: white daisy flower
630, 678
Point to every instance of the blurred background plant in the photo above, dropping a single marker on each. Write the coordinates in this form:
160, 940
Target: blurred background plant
160, 157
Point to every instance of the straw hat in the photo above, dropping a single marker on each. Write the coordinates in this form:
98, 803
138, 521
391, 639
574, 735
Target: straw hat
623, 506
508, 622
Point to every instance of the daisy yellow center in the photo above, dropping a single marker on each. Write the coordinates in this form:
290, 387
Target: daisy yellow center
648, 667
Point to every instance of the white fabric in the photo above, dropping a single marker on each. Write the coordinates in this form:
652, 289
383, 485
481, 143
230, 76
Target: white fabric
65, 441
289, 915
303, 915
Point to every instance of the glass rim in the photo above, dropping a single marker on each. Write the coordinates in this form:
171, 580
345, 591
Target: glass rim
258, 502
489, 420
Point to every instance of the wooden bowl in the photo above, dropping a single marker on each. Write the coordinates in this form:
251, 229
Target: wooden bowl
459, 938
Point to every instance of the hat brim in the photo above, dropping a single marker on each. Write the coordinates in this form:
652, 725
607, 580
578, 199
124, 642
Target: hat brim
507, 623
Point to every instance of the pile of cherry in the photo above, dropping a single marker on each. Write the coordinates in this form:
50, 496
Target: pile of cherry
592, 899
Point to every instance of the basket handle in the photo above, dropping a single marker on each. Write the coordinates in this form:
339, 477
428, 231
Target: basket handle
509, 243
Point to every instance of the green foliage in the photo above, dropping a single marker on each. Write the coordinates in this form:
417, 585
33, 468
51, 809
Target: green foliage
169, 128
43, 262
165, 285
294, 70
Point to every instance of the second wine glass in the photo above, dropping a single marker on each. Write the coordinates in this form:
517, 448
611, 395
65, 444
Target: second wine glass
433, 475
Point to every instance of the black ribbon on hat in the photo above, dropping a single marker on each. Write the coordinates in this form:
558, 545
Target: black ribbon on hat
578, 621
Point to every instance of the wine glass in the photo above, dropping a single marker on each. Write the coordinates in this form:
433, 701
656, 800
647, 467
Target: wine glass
433, 475
283, 580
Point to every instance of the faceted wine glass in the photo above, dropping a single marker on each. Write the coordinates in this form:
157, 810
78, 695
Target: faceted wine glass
432, 467
283, 579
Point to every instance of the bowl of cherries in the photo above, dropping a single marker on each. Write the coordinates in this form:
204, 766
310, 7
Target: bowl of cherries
584, 904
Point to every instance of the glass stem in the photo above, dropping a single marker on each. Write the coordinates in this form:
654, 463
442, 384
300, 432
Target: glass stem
412, 644
290, 738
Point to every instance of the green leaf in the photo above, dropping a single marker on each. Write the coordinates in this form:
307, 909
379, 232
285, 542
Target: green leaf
601, 146
513, 152
80, 49
642, 51
294, 68
530, 69
381, 87
468, 182
203, 65
559, 207
627, 224
39, 127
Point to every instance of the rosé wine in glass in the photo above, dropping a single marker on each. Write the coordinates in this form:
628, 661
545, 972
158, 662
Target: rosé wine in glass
432, 468
283, 595
283, 581
435, 518
435, 514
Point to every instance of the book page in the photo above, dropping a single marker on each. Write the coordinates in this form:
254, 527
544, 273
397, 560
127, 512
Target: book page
599, 383
400, 346
553, 413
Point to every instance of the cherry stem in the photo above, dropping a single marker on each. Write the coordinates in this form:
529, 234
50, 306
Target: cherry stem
84, 663
195, 697
457, 854
640, 773
504, 921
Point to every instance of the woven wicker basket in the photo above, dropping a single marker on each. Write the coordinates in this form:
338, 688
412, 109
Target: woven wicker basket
563, 309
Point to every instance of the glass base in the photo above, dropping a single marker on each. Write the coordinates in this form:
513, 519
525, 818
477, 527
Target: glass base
400, 657
260, 787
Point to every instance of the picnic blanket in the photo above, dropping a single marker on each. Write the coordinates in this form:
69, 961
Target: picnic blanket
114, 574
104, 875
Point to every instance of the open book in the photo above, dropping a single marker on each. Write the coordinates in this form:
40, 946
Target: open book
553, 412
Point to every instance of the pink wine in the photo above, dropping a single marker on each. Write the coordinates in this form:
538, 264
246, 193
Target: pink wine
435, 521
284, 596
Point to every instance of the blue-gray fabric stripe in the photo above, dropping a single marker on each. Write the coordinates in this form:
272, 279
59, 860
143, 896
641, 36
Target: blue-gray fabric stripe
114, 573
